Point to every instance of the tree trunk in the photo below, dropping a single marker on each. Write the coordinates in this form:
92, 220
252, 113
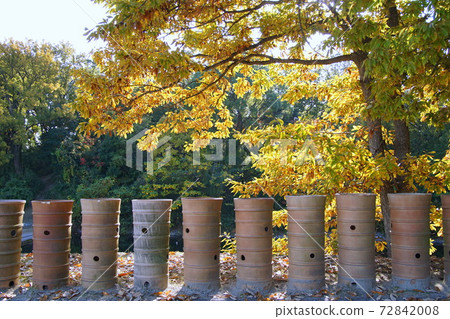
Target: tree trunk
385, 210
17, 156
402, 147
239, 122
402, 142
377, 146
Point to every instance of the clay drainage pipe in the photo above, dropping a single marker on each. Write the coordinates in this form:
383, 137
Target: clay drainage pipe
445, 199
306, 238
356, 240
151, 223
52, 222
254, 243
11, 218
100, 242
410, 240
201, 237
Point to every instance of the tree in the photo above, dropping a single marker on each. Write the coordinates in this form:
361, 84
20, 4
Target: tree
328, 155
35, 87
399, 51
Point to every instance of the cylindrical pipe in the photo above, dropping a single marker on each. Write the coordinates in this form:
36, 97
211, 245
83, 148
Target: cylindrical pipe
306, 239
151, 223
100, 242
11, 218
201, 237
410, 240
356, 240
52, 222
254, 242
445, 200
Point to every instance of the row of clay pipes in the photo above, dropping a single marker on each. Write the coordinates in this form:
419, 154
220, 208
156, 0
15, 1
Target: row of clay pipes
201, 235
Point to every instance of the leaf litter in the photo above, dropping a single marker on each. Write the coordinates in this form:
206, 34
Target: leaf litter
124, 289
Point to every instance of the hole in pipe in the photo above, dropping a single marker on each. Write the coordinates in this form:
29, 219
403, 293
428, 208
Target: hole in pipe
312, 255
96, 258
353, 283
146, 284
117, 230
13, 233
215, 257
11, 284
187, 230
46, 233
44, 287
242, 257
266, 229
352, 227
417, 255
144, 230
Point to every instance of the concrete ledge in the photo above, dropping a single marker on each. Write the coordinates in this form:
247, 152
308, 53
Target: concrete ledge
409, 284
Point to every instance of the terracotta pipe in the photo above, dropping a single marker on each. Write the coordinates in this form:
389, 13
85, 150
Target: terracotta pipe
52, 222
445, 200
11, 218
356, 240
306, 238
201, 231
100, 242
410, 240
254, 243
151, 223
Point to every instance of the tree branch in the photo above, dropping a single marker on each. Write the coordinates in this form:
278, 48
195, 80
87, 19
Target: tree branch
345, 25
250, 47
302, 31
272, 60
221, 75
259, 6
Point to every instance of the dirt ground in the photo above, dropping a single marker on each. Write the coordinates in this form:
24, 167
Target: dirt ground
176, 291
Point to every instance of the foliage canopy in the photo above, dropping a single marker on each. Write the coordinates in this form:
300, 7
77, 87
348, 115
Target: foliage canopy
184, 55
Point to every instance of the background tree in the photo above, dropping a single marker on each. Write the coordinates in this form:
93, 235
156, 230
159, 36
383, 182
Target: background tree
35, 87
